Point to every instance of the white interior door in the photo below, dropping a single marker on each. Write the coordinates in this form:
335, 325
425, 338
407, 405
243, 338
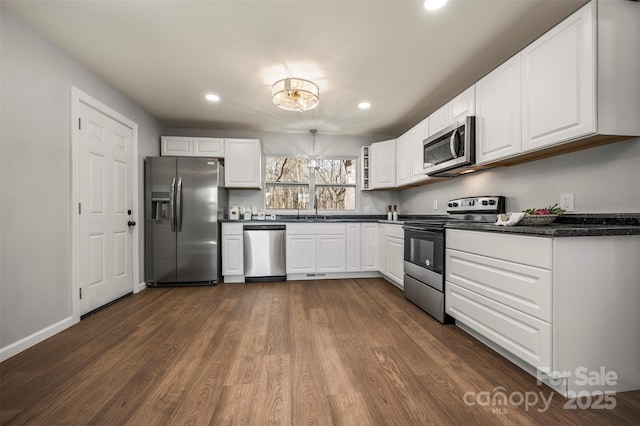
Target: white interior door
104, 187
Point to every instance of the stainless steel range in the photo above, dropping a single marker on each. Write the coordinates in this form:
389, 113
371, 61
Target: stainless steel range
424, 245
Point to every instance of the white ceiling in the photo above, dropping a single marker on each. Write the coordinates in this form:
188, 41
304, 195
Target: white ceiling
166, 55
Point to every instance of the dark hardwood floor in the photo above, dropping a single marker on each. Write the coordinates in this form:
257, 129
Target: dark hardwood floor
349, 352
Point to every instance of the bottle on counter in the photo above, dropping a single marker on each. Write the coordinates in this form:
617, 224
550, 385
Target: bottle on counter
389, 214
395, 212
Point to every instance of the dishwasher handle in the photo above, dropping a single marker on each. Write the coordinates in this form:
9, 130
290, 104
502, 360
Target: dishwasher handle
259, 227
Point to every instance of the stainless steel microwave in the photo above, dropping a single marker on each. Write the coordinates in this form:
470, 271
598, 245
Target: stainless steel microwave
452, 149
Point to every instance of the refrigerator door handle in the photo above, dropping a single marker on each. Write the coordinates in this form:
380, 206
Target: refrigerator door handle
172, 208
179, 206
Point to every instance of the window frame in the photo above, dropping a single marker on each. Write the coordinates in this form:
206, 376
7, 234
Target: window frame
312, 184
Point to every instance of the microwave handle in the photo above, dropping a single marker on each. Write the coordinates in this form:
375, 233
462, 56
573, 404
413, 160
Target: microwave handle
452, 142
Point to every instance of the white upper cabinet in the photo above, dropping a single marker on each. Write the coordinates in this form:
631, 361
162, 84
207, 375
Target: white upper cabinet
558, 82
416, 151
409, 155
176, 146
383, 164
403, 159
462, 105
581, 78
498, 113
182, 146
454, 110
577, 81
208, 147
439, 119
243, 163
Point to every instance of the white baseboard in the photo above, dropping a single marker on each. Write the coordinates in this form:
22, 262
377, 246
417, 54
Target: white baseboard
141, 287
32, 340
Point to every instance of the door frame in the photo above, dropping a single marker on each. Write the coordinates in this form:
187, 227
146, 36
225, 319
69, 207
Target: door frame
77, 97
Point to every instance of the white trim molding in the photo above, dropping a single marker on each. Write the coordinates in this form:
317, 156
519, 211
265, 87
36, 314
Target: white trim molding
35, 338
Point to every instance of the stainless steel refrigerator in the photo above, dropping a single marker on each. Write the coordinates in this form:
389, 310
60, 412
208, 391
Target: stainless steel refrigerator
185, 200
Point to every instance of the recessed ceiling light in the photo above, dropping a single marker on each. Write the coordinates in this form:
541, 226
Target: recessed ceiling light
364, 105
212, 98
434, 4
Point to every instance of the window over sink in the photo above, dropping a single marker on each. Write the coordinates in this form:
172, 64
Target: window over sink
291, 184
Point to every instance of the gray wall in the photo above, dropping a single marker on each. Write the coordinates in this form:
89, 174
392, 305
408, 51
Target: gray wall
604, 179
298, 144
35, 184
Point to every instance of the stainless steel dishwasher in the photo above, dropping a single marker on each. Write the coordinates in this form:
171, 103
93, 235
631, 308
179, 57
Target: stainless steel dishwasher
264, 252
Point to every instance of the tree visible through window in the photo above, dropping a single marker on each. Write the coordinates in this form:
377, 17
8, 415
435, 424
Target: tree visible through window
289, 183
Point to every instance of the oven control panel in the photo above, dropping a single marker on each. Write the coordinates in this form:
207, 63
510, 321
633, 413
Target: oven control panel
488, 204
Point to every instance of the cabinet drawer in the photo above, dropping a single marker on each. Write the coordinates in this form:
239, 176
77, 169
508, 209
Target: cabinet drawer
524, 336
522, 287
396, 231
232, 228
316, 229
533, 251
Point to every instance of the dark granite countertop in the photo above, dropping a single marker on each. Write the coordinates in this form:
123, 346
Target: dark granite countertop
568, 225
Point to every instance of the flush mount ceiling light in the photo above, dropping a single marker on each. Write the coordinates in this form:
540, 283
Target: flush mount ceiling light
295, 94
212, 97
434, 4
364, 105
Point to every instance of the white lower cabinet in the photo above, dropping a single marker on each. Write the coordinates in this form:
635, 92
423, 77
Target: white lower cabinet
548, 303
369, 246
316, 248
332, 249
394, 253
301, 254
354, 247
232, 252
332, 253
391, 252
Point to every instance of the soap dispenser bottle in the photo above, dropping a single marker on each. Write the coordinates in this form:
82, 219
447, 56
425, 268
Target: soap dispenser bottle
395, 212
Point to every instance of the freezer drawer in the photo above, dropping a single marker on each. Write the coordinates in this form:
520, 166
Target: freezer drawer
264, 253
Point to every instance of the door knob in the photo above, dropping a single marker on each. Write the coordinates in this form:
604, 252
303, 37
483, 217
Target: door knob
131, 223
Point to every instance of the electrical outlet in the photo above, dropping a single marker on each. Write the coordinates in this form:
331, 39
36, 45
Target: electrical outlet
366, 209
435, 204
566, 201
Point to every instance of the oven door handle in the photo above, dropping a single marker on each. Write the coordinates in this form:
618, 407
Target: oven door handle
423, 230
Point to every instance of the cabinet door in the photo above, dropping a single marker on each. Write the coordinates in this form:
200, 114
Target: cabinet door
301, 254
462, 105
558, 95
403, 159
382, 247
369, 246
176, 146
232, 255
416, 151
439, 119
331, 253
383, 164
525, 336
394, 253
353, 247
498, 113
208, 147
522, 287
243, 163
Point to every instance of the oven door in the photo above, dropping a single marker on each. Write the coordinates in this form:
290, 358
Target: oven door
423, 249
